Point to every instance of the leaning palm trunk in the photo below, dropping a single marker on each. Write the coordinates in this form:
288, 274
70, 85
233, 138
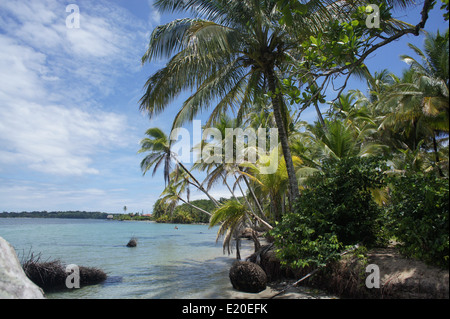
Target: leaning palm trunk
244, 196
229, 188
253, 195
197, 183
262, 221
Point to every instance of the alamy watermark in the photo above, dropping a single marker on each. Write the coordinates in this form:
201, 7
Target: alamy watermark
373, 18
73, 277
237, 146
73, 19
373, 279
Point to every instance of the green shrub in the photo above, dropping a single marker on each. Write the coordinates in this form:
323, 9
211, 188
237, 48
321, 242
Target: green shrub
419, 213
337, 210
299, 245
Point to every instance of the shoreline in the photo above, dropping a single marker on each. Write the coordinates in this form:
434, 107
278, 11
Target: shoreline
401, 278
275, 286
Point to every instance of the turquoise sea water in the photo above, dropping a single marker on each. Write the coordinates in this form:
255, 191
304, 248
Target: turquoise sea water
167, 262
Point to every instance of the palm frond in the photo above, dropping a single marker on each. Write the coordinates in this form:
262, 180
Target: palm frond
168, 39
230, 216
225, 84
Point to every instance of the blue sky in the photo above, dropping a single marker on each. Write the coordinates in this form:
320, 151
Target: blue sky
70, 125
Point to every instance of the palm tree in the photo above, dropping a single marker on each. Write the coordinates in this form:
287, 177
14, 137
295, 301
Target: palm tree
379, 83
220, 171
231, 57
417, 105
272, 187
404, 124
432, 75
232, 217
173, 191
158, 145
432, 81
231, 53
341, 140
169, 198
352, 110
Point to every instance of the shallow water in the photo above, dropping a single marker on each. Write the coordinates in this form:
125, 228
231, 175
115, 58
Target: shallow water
167, 262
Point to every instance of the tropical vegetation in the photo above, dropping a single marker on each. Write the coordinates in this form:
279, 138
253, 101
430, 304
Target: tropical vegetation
372, 168
184, 213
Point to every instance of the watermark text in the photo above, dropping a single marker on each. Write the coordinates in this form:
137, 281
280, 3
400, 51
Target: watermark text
73, 19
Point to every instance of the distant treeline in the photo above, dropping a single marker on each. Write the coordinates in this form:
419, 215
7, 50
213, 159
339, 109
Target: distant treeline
45, 214
132, 216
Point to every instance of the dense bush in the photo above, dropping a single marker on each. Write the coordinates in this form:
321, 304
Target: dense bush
420, 217
338, 209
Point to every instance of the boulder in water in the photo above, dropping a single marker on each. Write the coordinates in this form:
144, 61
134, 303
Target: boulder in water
132, 242
14, 284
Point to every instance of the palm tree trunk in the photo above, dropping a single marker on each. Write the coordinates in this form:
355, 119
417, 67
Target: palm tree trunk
229, 188
238, 246
243, 195
255, 241
262, 221
253, 195
282, 133
319, 115
198, 185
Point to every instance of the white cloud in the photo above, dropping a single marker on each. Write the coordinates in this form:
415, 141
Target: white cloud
66, 142
47, 137
109, 38
42, 11
20, 70
57, 140
34, 196
155, 16
52, 78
